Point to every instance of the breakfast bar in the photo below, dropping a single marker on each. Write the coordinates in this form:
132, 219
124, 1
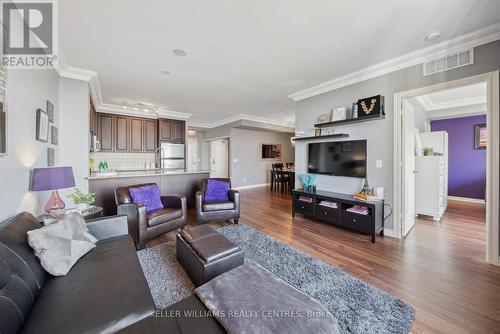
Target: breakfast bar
172, 182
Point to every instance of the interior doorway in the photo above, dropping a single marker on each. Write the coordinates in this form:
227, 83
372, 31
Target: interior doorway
219, 158
192, 155
421, 164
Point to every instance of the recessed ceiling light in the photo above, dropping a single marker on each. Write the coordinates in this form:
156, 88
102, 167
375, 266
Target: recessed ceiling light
179, 52
432, 36
165, 71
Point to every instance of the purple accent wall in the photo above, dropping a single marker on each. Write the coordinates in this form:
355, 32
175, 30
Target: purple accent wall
466, 166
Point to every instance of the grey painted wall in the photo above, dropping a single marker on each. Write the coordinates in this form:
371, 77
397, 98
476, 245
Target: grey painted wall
27, 90
378, 133
247, 167
421, 114
74, 136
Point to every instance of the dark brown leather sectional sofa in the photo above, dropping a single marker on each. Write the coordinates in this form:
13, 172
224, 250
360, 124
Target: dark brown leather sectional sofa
104, 292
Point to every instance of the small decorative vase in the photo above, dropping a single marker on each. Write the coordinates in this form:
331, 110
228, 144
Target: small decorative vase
82, 206
54, 203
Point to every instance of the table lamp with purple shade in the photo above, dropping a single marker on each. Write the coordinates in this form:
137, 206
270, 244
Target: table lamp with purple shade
52, 178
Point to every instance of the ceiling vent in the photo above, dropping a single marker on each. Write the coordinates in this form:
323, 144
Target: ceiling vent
448, 62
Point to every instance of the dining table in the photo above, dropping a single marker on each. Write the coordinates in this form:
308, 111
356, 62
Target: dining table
287, 172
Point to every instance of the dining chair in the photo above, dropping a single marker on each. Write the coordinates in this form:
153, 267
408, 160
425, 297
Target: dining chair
281, 179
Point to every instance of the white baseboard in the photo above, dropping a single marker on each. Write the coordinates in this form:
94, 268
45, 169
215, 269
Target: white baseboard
389, 232
467, 199
252, 186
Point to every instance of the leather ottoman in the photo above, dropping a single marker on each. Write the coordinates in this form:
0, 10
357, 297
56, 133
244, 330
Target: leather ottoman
205, 254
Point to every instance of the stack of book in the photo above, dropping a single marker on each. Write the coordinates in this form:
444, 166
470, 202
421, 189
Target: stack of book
360, 210
329, 204
365, 197
305, 199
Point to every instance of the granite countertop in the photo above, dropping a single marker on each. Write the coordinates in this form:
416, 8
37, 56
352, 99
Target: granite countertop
143, 173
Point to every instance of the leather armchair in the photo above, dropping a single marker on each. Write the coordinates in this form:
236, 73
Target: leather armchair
219, 210
144, 226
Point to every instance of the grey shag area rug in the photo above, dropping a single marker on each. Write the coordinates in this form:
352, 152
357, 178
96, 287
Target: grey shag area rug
358, 306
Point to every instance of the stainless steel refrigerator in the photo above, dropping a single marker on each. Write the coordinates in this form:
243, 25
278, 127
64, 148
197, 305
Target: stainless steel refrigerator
173, 156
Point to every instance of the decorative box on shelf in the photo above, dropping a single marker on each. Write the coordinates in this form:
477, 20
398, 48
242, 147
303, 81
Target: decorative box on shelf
371, 106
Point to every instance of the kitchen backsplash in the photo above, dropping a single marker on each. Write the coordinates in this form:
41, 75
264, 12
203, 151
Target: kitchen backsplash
124, 161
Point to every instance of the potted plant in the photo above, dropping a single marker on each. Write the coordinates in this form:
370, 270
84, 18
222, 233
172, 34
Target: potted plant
81, 199
428, 151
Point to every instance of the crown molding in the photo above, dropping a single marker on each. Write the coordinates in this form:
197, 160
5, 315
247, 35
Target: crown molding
75, 72
429, 105
241, 117
467, 41
95, 90
117, 109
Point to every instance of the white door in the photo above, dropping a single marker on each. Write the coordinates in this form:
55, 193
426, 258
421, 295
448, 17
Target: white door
408, 155
219, 158
192, 154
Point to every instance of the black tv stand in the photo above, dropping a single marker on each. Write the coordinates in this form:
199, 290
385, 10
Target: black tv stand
308, 204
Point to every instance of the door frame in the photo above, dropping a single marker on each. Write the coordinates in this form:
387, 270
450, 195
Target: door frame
228, 142
492, 155
403, 168
195, 157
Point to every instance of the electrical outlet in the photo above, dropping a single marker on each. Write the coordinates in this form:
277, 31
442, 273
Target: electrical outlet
379, 163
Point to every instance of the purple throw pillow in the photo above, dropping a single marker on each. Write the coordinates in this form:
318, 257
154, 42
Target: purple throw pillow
216, 191
149, 196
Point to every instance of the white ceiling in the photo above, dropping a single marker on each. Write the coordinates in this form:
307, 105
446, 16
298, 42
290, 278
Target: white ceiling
456, 102
246, 57
456, 97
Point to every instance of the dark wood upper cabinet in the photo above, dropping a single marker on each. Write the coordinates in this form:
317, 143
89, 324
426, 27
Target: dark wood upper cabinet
178, 131
171, 130
136, 134
121, 133
105, 129
165, 127
150, 142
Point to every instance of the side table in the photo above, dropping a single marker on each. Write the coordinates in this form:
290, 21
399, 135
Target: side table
90, 213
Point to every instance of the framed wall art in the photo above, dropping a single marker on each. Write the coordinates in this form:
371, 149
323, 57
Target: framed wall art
42, 126
480, 136
3, 111
54, 135
50, 111
51, 157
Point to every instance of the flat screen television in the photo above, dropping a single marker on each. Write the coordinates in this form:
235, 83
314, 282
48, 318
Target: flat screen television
340, 158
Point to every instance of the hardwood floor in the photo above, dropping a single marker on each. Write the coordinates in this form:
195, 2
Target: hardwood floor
438, 268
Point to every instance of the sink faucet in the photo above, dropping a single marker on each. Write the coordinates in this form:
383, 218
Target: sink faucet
162, 153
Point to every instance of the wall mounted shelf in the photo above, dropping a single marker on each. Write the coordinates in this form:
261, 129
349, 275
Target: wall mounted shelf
349, 120
335, 135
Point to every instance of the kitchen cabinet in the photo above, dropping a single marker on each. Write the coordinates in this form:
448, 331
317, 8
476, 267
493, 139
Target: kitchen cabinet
105, 131
178, 132
121, 133
136, 134
171, 130
165, 129
150, 142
